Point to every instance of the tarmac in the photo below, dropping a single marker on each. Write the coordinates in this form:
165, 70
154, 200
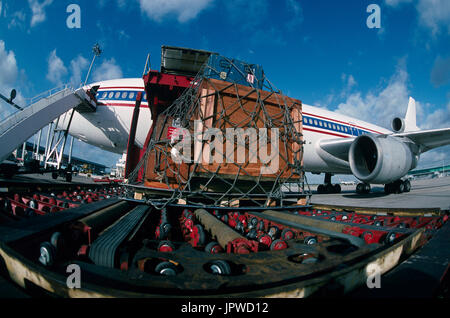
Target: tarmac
45, 178
425, 193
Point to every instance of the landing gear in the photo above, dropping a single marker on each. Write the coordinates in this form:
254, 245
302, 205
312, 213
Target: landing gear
363, 188
398, 186
327, 186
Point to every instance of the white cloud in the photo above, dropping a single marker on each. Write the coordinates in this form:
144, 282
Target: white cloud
123, 35
440, 74
8, 66
56, 69
440, 118
182, 9
9, 76
38, 10
434, 14
381, 105
247, 15
395, 3
77, 67
17, 19
295, 8
349, 82
120, 3
107, 70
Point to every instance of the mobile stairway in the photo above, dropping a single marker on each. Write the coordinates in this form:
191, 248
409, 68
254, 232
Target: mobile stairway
20, 126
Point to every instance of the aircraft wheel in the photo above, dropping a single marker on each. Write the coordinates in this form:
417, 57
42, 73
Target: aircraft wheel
388, 188
55, 175
400, 187
366, 188
337, 188
359, 188
321, 189
407, 185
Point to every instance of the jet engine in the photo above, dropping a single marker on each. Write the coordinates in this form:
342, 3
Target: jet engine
398, 125
380, 160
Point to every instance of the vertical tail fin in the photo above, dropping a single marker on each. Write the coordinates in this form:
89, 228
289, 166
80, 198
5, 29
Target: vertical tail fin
410, 117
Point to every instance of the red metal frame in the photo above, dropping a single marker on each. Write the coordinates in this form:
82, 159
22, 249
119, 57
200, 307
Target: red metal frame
133, 152
162, 90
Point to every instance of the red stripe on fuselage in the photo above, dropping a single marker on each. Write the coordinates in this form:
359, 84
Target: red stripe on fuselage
121, 87
122, 105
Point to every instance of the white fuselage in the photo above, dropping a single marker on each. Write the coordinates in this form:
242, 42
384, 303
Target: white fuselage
109, 127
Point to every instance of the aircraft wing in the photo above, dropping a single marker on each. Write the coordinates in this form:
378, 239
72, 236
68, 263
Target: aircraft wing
336, 150
428, 139
337, 147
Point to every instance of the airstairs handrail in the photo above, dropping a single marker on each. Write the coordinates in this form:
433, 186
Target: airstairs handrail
32, 100
9, 122
47, 93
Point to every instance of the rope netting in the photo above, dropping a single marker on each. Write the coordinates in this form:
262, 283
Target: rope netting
231, 136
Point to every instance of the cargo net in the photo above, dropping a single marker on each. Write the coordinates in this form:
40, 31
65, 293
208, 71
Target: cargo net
229, 139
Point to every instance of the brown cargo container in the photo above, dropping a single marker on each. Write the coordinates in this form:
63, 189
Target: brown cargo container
219, 110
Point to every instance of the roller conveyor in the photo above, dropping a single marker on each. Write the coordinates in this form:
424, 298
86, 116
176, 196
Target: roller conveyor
103, 250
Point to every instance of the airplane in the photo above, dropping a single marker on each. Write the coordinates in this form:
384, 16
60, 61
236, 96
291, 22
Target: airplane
334, 143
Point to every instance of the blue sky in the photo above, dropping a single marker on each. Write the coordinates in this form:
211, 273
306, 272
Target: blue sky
321, 52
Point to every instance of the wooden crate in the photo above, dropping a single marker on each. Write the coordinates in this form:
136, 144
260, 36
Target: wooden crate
221, 105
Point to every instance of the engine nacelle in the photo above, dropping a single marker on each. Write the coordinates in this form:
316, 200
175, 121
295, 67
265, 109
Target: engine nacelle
380, 160
398, 125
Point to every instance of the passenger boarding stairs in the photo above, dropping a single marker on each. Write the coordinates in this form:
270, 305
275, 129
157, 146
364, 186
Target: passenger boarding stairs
20, 126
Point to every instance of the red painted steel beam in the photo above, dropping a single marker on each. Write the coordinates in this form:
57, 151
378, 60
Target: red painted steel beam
133, 152
162, 90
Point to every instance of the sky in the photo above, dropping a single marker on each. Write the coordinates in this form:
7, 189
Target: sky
321, 52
